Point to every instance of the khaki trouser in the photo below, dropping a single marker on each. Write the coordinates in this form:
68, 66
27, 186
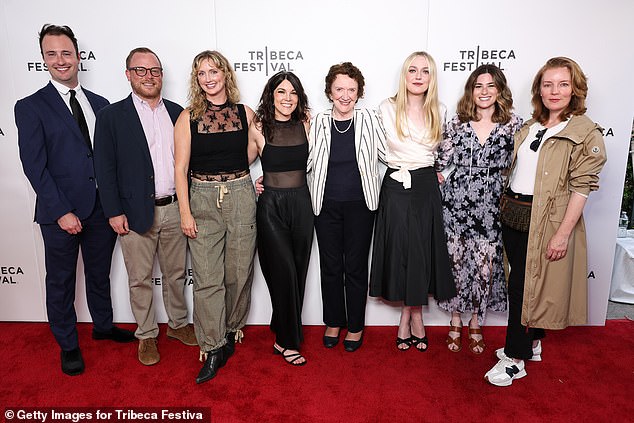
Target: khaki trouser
222, 257
165, 239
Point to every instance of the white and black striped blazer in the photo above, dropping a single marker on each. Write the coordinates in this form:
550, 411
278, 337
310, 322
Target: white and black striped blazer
370, 147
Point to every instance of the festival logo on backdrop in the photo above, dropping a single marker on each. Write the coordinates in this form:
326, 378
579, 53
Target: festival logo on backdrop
269, 60
607, 132
84, 64
469, 59
10, 275
189, 279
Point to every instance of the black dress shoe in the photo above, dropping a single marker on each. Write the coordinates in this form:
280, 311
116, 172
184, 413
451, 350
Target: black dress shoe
72, 362
352, 346
115, 334
215, 360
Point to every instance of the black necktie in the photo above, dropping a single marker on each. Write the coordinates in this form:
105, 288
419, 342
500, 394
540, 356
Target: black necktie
78, 114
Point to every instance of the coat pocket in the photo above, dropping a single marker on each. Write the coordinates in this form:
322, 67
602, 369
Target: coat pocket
557, 209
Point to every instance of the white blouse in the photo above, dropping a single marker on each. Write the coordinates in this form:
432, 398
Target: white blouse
413, 152
523, 178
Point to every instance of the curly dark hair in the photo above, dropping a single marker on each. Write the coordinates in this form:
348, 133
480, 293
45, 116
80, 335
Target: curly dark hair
265, 113
348, 69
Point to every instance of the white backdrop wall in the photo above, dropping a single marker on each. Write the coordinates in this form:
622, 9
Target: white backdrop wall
260, 38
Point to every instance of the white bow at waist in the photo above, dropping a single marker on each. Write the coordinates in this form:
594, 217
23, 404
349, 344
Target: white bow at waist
403, 176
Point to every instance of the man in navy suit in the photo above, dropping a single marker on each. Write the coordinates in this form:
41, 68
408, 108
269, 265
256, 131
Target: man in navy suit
55, 126
134, 160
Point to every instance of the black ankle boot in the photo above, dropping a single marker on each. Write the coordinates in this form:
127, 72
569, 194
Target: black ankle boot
230, 346
214, 361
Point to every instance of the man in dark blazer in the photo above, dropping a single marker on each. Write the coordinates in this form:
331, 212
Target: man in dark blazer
134, 161
54, 131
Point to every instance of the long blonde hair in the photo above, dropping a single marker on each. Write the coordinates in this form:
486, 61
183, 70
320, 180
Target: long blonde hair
197, 97
431, 105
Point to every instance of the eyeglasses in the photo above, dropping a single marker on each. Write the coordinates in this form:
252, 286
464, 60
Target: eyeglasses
540, 135
141, 71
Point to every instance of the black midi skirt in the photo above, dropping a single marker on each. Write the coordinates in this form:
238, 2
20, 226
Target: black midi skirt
409, 256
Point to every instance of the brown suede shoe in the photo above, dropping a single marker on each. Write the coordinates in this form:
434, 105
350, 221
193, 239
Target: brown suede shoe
185, 334
148, 352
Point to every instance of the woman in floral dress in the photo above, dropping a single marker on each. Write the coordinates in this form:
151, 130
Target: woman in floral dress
478, 142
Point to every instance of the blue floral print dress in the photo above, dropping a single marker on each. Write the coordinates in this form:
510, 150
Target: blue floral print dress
471, 209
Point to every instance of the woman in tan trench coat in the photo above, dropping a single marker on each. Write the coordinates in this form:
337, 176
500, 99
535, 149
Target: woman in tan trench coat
542, 223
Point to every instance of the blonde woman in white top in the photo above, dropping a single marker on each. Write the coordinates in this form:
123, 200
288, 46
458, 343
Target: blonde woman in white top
410, 259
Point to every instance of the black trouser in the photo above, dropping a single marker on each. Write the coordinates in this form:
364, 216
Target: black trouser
285, 238
519, 338
344, 233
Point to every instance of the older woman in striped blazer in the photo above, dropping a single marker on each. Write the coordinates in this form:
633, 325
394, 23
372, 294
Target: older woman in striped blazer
345, 146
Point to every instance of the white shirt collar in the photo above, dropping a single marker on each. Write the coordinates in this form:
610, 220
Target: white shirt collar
63, 89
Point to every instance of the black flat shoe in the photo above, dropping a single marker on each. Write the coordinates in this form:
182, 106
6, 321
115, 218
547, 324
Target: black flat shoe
352, 346
72, 362
331, 341
215, 360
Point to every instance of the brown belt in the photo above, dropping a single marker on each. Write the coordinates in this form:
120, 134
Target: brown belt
519, 197
164, 201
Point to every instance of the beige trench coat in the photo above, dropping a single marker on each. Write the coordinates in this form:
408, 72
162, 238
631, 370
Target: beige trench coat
556, 292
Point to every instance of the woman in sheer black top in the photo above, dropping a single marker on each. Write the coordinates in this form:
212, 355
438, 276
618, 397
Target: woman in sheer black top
284, 211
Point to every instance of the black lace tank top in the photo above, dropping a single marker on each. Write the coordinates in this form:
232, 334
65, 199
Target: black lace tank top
285, 155
219, 140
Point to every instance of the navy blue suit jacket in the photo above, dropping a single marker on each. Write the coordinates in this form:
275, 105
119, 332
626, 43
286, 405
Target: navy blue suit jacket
125, 173
54, 155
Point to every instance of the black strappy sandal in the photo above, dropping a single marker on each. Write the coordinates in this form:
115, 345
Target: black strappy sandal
401, 341
290, 358
416, 341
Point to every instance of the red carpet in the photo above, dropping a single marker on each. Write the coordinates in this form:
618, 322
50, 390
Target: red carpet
587, 376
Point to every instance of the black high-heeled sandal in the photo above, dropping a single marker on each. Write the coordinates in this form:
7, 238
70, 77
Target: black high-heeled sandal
290, 358
416, 341
401, 341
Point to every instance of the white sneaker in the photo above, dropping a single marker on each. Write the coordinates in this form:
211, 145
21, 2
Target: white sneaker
537, 352
503, 373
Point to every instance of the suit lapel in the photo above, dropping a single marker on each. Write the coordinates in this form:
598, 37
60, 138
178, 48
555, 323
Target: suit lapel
132, 120
326, 122
94, 101
358, 136
172, 110
59, 107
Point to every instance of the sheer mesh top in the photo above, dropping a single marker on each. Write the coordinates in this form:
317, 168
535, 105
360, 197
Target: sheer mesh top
219, 140
285, 155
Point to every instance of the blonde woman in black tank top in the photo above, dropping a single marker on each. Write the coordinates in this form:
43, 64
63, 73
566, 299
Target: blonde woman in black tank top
217, 206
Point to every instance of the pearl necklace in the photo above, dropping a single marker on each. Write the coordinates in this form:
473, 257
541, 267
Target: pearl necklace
334, 123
